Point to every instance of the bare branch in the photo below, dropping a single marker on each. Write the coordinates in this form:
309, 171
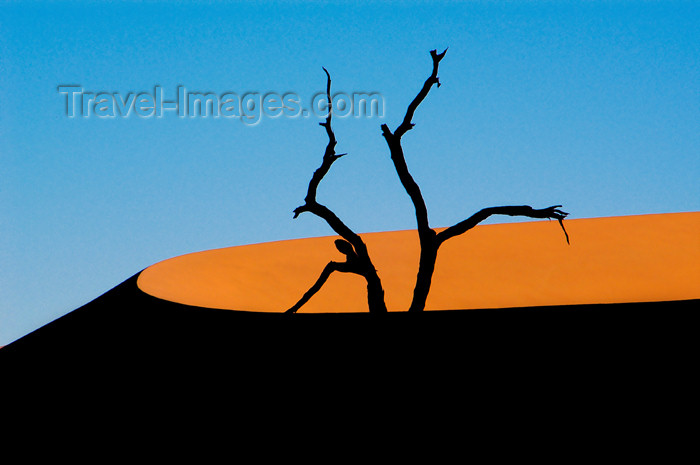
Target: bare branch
329, 156
334, 222
552, 212
327, 124
406, 125
327, 271
346, 249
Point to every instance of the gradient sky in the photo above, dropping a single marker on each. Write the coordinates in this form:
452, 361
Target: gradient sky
592, 105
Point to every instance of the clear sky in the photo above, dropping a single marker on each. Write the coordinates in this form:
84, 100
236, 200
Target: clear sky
593, 105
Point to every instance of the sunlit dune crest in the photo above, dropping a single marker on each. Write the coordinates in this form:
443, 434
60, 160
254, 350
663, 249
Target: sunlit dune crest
610, 260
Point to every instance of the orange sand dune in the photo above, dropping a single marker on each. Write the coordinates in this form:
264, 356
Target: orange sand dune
616, 259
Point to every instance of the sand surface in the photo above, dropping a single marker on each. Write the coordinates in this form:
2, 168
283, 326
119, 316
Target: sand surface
610, 260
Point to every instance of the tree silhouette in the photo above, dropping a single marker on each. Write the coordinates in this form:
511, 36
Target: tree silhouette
357, 258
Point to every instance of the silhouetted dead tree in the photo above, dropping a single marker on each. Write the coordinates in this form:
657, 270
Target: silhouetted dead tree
430, 241
353, 247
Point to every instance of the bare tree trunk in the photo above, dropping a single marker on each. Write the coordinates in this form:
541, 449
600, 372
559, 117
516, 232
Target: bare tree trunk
426, 267
375, 294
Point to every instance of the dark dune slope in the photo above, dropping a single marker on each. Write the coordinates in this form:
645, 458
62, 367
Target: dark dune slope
127, 353
125, 323
131, 359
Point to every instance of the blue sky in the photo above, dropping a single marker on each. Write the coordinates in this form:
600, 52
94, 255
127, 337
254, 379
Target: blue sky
592, 105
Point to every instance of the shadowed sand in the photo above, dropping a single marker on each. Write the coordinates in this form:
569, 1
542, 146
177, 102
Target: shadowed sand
642, 258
